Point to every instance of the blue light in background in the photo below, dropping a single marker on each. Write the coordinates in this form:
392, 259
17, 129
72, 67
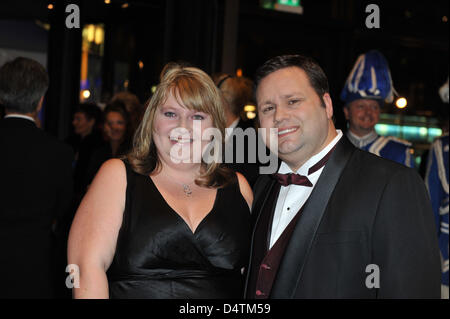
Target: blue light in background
410, 133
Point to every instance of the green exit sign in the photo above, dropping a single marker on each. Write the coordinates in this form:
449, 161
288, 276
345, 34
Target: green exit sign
292, 6
292, 3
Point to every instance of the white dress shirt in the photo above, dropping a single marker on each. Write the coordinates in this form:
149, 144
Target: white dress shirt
21, 116
291, 198
361, 141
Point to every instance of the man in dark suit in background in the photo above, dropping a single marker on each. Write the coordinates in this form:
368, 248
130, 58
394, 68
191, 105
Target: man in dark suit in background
335, 221
35, 184
240, 154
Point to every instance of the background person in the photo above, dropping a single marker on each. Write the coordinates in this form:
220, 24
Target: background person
368, 86
133, 106
237, 92
117, 131
436, 179
35, 185
86, 139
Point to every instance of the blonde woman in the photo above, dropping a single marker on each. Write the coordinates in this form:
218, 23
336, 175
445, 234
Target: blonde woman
154, 227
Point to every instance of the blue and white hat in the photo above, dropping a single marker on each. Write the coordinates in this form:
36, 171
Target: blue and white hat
370, 79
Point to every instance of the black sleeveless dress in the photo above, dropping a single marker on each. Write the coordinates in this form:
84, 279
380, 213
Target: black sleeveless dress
158, 256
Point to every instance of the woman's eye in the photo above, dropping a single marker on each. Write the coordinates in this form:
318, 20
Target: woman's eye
169, 114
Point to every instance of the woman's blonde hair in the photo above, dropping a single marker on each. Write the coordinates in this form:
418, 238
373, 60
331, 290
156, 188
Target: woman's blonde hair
194, 89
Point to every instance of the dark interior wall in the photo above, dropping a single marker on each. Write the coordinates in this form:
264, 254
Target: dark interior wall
193, 32
412, 36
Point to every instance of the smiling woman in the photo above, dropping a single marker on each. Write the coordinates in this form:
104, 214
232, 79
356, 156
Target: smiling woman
161, 228
184, 94
175, 131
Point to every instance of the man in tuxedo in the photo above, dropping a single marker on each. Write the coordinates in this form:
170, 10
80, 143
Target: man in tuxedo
240, 152
35, 184
335, 221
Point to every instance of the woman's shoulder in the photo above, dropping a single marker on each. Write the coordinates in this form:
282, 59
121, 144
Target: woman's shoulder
110, 180
114, 166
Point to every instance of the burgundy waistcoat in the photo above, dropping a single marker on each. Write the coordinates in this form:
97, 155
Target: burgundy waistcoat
265, 262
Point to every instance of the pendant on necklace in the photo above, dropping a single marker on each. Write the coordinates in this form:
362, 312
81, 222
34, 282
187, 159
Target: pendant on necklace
187, 190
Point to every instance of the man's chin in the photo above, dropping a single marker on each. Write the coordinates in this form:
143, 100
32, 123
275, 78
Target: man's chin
368, 127
288, 153
287, 147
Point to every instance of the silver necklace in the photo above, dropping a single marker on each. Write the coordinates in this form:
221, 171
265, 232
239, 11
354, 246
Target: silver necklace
186, 188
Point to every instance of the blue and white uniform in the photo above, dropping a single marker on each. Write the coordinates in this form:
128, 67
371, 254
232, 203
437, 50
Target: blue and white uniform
436, 179
371, 79
388, 147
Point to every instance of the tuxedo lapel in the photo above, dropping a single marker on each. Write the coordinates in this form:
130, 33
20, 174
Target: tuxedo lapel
297, 250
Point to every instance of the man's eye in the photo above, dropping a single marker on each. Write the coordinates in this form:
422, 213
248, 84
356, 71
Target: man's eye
267, 109
169, 114
198, 117
291, 102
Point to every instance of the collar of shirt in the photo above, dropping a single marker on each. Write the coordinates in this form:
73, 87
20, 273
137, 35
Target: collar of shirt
229, 130
291, 198
21, 116
363, 140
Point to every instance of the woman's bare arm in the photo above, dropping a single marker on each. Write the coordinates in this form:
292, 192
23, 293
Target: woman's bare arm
94, 232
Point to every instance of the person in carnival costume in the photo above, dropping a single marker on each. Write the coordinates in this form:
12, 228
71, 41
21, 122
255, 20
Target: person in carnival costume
368, 87
436, 180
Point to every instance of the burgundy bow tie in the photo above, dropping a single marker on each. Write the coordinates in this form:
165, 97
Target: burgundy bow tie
296, 179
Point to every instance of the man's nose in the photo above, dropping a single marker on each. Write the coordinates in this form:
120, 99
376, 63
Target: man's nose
280, 114
368, 110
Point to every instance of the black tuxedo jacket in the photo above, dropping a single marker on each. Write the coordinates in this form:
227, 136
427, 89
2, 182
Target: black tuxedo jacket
35, 190
364, 210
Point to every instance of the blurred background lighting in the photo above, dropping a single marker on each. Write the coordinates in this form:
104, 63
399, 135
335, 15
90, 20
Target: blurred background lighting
249, 108
86, 94
251, 115
401, 103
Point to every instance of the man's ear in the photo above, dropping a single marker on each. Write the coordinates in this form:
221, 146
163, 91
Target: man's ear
328, 105
39, 107
346, 112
